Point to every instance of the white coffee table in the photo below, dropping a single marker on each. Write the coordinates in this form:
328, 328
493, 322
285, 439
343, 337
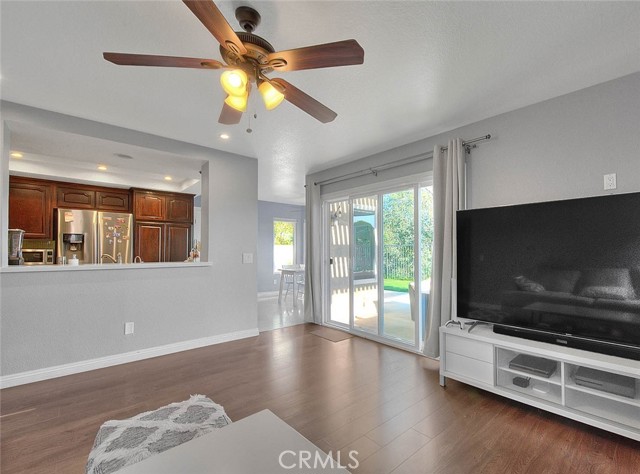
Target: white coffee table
261, 443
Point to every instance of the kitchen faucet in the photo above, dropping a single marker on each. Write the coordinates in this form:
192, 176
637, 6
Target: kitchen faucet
106, 255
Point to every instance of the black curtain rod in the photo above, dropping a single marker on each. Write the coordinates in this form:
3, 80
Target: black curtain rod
394, 164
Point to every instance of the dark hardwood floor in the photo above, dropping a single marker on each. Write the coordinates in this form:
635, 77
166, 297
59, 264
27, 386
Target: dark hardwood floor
350, 395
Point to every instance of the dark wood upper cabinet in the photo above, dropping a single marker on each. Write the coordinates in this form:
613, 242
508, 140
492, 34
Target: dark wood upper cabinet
180, 208
83, 196
113, 201
75, 197
149, 206
30, 207
162, 206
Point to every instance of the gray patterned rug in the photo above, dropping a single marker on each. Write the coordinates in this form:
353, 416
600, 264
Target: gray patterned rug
120, 443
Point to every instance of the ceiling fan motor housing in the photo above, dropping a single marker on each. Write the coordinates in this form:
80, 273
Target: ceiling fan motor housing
258, 50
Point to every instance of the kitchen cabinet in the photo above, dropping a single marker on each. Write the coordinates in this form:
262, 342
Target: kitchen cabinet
32, 202
162, 242
72, 197
79, 196
149, 205
30, 207
149, 241
163, 229
177, 242
179, 208
113, 200
162, 206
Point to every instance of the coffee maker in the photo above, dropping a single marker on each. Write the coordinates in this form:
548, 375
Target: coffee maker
16, 238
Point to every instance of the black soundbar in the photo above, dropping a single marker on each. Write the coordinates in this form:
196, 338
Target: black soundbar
618, 350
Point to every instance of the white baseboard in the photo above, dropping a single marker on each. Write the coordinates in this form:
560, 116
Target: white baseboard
117, 359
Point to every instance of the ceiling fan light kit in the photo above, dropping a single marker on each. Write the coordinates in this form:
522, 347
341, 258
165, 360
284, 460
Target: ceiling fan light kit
234, 82
238, 102
249, 58
270, 95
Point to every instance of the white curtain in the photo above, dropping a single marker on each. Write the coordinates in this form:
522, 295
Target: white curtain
313, 257
448, 197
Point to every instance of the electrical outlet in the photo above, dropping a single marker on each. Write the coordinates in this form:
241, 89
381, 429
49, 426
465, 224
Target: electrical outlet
247, 258
610, 181
128, 328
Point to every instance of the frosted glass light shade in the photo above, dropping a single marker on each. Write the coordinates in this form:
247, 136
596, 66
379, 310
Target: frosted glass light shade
238, 102
271, 96
234, 82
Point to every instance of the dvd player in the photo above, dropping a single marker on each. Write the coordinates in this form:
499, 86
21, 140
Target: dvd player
606, 382
534, 365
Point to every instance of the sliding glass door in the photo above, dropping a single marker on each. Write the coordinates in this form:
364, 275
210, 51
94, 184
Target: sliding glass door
378, 254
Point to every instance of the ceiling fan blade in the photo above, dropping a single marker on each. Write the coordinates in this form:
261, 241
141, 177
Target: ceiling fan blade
340, 53
304, 101
215, 22
229, 115
124, 59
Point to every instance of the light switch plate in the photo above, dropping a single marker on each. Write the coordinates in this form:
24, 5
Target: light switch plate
247, 258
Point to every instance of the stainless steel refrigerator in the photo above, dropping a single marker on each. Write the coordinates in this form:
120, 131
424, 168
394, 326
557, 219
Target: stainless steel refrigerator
94, 236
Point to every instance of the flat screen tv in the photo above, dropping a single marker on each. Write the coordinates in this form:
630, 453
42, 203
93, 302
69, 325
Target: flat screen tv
565, 272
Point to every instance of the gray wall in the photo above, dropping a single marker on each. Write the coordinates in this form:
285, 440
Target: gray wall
55, 318
268, 280
560, 148
556, 149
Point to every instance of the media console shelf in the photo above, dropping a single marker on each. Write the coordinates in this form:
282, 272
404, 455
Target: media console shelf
484, 359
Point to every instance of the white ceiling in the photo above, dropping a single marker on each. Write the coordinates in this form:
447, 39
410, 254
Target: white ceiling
429, 67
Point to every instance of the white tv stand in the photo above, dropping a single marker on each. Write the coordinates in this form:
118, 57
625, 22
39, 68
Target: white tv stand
481, 358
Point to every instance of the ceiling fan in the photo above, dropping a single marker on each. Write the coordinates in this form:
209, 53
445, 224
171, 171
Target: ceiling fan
249, 58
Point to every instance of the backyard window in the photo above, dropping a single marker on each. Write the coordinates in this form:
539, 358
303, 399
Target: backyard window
284, 243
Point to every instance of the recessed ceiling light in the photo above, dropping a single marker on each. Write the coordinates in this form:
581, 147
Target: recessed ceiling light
102, 167
168, 178
16, 154
224, 136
